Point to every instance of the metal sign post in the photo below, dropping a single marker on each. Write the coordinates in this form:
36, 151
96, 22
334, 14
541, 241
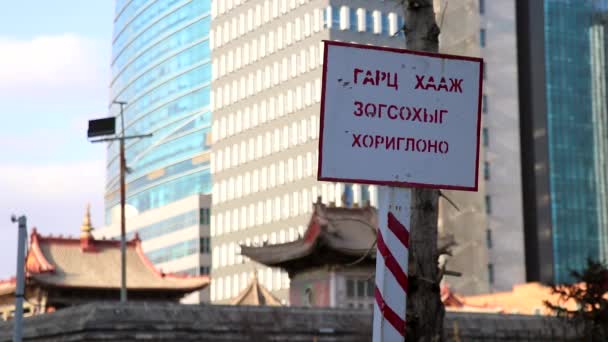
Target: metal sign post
391, 263
398, 118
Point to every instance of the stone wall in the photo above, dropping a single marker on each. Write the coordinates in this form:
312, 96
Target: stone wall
175, 322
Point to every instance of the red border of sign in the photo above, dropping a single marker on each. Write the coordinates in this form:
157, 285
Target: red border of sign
390, 183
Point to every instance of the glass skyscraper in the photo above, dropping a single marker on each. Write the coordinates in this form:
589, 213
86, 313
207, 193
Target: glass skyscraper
161, 67
564, 134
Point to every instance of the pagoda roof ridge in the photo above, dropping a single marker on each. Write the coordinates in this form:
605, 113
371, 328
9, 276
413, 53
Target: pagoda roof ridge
334, 235
255, 294
61, 262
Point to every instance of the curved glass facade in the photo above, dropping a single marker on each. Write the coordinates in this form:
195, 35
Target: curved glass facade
161, 67
575, 64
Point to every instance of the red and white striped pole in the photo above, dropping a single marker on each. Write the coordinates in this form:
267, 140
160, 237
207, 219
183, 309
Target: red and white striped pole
391, 264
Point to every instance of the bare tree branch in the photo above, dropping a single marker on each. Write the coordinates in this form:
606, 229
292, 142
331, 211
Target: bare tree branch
442, 194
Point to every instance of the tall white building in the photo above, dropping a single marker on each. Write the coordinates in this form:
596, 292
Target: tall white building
502, 168
266, 86
488, 228
265, 95
460, 22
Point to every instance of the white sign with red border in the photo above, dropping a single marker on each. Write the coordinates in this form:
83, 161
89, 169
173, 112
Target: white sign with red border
399, 118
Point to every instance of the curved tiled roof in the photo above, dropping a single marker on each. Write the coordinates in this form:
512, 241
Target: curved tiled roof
334, 235
64, 262
256, 294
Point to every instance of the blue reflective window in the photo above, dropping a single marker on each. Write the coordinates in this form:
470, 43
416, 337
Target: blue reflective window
176, 64
200, 75
488, 204
195, 271
205, 216
127, 66
120, 5
171, 191
384, 24
369, 21
174, 252
354, 19
125, 14
184, 107
489, 242
161, 68
348, 195
335, 17
364, 194
486, 170
576, 131
485, 136
167, 24
199, 99
148, 15
400, 26
169, 172
166, 226
173, 150
205, 245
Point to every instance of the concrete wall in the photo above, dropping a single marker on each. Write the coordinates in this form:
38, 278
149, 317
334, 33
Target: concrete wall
174, 322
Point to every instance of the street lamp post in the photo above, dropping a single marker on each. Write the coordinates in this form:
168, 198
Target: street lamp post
20, 289
105, 129
123, 235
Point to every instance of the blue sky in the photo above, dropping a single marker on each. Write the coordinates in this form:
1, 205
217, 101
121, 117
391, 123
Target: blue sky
54, 77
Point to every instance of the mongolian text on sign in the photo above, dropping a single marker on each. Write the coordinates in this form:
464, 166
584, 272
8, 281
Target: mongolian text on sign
398, 117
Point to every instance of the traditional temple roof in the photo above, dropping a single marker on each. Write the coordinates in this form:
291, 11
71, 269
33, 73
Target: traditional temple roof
454, 302
88, 263
335, 235
525, 299
255, 294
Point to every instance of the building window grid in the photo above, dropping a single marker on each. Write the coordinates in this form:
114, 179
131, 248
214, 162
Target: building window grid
576, 214
170, 225
195, 271
174, 252
362, 20
485, 137
369, 21
384, 24
353, 20
353, 25
488, 201
486, 170
359, 292
489, 242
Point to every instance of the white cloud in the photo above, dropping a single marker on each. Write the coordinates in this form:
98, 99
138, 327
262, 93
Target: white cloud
53, 198
49, 87
48, 62
47, 182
